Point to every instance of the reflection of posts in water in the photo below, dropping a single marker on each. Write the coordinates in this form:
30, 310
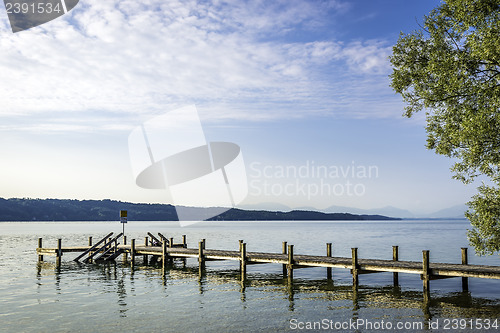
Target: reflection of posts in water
243, 288
291, 294
40, 245
355, 298
395, 257
328, 254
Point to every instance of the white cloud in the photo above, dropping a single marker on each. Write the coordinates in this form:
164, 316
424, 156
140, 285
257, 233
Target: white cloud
368, 57
129, 58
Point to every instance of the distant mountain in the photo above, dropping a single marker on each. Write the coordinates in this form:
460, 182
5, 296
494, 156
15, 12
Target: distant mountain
452, 212
386, 211
108, 210
455, 212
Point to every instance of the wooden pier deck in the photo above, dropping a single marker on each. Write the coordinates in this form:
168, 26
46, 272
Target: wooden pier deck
166, 250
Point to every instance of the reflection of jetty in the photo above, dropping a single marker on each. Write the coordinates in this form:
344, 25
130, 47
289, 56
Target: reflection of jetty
164, 249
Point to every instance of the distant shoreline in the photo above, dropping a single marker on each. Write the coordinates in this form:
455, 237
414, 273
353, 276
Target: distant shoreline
48, 210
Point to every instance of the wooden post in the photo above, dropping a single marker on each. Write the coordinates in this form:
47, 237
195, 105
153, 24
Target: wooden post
426, 274
284, 265
290, 263
132, 252
145, 256
184, 242
90, 240
240, 244
395, 257
204, 243
243, 265
124, 253
465, 261
171, 243
329, 254
164, 257
59, 253
200, 252
355, 266
40, 243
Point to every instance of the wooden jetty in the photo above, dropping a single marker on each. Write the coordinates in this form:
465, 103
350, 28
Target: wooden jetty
164, 249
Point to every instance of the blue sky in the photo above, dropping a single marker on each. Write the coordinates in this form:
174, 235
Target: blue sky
294, 83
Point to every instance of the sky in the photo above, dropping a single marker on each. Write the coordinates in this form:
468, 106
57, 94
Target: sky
301, 86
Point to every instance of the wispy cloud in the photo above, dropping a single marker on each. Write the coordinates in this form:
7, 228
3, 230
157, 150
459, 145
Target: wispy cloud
232, 58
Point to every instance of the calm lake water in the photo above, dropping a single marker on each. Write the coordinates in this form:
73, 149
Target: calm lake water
114, 297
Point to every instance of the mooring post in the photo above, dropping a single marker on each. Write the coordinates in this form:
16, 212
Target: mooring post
465, 261
124, 258
395, 257
329, 254
243, 265
59, 253
145, 256
204, 241
200, 252
40, 243
184, 242
164, 257
284, 265
426, 274
171, 243
355, 266
290, 263
132, 252
90, 240
240, 244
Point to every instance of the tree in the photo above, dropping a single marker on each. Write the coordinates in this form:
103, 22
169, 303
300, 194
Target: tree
451, 70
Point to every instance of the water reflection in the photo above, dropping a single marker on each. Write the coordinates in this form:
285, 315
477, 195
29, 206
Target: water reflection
331, 294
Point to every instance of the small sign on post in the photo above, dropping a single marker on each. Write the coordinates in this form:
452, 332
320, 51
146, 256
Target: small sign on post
123, 219
123, 216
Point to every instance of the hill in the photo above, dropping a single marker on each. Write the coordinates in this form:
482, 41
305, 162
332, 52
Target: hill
108, 210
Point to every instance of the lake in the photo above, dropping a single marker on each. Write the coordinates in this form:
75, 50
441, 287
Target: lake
114, 297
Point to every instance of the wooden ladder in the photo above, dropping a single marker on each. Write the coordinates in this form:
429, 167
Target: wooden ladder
107, 252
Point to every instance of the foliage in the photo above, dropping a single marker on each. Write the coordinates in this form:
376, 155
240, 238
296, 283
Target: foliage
451, 69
